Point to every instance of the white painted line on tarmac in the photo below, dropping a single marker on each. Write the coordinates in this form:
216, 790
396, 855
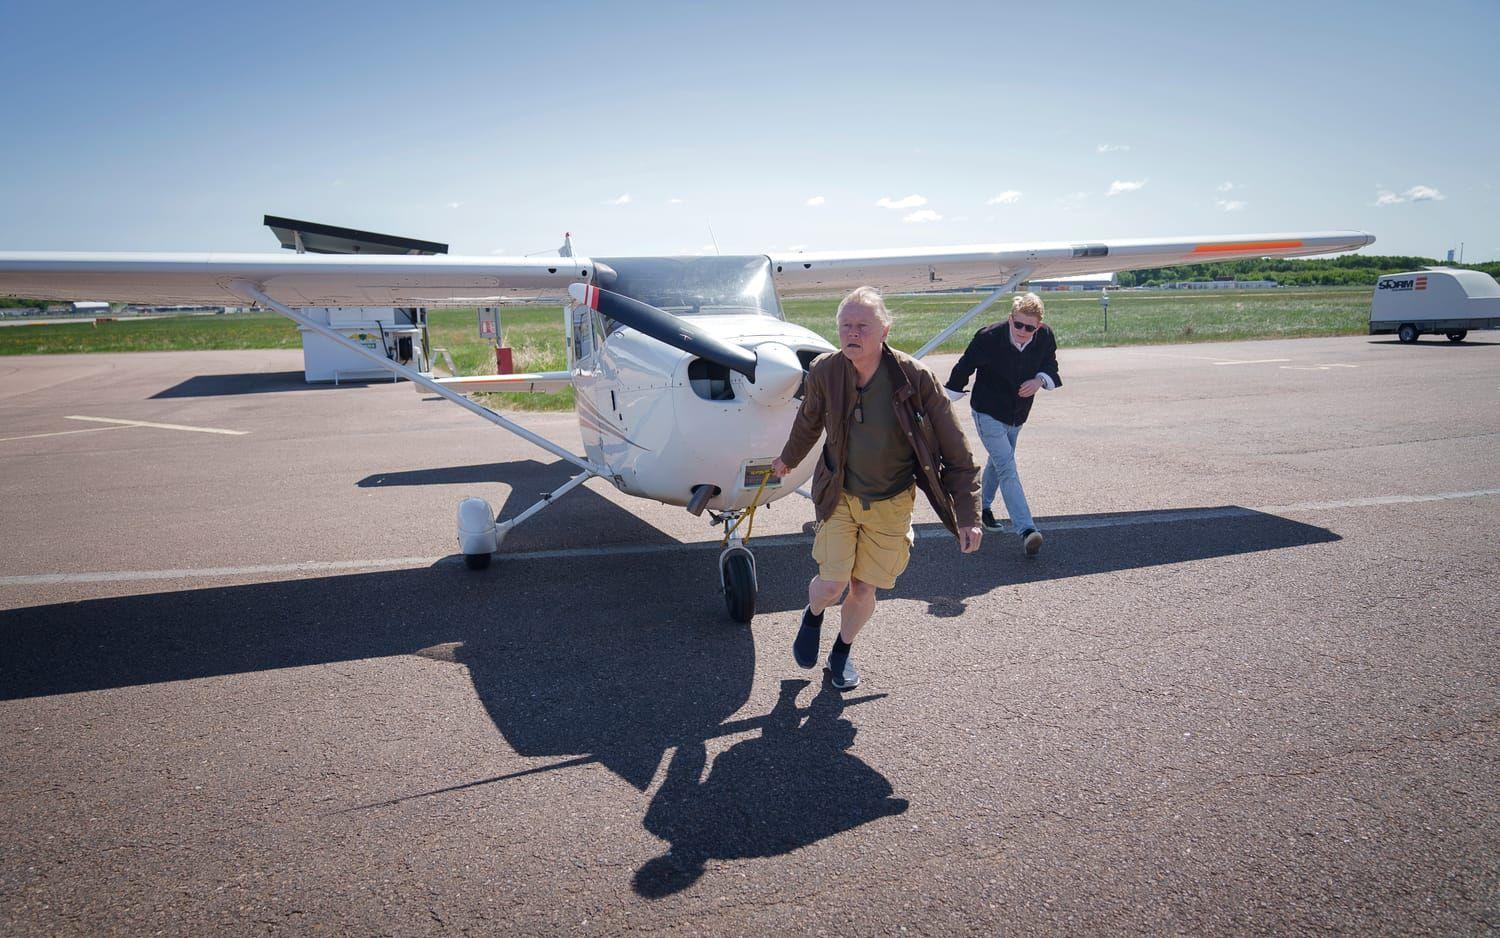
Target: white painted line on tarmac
1378, 500
131, 576
37, 436
159, 426
1067, 524
1215, 359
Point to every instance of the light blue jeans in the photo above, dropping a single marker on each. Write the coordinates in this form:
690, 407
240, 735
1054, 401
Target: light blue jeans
1000, 470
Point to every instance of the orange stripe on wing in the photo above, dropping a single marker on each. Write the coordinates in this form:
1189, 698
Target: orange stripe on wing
1246, 246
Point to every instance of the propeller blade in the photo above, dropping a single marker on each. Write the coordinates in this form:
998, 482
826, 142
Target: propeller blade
664, 327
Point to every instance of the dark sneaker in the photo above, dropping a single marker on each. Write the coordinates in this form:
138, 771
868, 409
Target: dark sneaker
987, 518
1031, 541
841, 673
805, 645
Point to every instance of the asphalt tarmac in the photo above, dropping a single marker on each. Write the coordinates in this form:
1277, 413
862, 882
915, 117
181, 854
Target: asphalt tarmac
1249, 686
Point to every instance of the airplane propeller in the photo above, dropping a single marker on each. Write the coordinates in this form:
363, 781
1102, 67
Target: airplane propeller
664, 327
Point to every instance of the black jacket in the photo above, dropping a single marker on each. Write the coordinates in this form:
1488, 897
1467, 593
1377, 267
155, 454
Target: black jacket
1002, 370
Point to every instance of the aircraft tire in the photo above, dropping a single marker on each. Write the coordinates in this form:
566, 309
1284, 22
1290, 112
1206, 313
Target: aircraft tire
477, 561
739, 587
1458, 336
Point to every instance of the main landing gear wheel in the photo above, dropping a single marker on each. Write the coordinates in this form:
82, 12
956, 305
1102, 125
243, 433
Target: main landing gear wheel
478, 536
1458, 336
1407, 333
737, 570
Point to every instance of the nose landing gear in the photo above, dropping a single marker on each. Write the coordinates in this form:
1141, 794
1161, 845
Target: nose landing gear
737, 578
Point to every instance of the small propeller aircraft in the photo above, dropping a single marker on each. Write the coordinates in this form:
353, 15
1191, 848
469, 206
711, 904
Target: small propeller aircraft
685, 371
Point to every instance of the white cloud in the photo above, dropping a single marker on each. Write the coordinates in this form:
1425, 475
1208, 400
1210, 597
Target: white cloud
815, 201
1008, 197
1072, 200
1119, 186
454, 204
911, 201
923, 215
674, 201
498, 251
1112, 147
1414, 194
1231, 205
622, 200
1226, 186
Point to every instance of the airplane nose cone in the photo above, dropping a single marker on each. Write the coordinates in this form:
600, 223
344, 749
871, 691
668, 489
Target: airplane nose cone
778, 375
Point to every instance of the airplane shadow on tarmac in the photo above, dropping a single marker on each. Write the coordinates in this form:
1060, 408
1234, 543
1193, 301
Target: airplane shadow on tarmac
255, 382
615, 659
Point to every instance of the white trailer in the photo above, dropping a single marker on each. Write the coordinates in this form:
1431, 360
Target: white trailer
1435, 301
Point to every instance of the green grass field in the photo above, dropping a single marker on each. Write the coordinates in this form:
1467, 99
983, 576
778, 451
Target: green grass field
536, 333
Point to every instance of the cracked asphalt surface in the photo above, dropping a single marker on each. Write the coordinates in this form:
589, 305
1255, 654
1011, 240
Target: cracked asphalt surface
1248, 687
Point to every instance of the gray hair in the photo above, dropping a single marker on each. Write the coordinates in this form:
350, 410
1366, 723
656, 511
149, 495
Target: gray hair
1027, 304
869, 298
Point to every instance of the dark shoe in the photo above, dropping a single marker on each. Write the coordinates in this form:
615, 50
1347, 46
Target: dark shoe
805, 645
1031, 541
987, 518
841, 673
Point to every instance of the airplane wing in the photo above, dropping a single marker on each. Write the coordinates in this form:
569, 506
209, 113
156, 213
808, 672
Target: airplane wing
293, 279
948, 268
543, 382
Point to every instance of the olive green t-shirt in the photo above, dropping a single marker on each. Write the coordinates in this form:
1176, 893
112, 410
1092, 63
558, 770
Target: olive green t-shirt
881, 464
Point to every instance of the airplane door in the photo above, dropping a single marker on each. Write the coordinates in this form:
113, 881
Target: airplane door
583, 339
590, 387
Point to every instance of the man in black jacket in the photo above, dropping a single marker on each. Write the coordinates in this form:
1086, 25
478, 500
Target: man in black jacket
1015, 358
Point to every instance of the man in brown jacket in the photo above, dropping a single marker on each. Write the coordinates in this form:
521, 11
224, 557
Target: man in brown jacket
890, 429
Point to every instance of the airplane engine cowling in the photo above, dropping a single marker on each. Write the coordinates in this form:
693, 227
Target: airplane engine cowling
778, 375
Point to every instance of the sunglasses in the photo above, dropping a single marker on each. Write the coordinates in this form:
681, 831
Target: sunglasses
1024, 327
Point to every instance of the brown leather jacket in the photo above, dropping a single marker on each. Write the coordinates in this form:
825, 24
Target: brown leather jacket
946, 471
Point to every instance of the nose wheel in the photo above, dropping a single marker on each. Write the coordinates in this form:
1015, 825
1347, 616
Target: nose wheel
737, 578
737, 571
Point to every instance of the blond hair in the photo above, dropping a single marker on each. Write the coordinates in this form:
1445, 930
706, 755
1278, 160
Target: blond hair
869, 298
1027, 304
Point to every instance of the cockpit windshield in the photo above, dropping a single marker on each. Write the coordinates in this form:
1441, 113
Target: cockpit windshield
693, 285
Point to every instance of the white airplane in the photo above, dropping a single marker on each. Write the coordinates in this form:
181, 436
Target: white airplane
686, 374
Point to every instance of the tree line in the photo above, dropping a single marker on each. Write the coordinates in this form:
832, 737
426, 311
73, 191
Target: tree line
1349, 270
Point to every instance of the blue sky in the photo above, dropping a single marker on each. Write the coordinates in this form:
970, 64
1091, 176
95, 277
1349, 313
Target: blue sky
640, 127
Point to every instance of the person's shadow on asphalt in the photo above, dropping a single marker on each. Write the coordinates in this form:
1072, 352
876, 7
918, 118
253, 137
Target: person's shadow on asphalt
791, 786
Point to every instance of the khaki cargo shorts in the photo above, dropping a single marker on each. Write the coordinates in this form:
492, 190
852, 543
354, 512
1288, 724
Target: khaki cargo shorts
872, 545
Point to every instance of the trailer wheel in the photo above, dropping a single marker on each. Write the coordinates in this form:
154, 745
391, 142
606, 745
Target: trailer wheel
1458, 336
1407, 332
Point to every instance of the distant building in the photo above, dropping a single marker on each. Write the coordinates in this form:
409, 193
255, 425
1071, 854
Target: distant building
1085, 282
1219, 285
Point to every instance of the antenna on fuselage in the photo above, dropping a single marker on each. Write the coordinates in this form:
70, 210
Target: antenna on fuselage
713, 239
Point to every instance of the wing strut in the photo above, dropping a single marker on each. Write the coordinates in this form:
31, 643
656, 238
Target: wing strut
249, 291
958, 323
504, 527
